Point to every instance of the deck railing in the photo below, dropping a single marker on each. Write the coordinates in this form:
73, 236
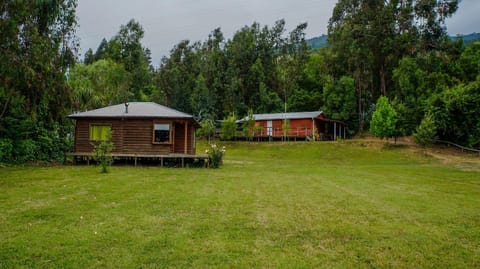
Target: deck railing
279, 132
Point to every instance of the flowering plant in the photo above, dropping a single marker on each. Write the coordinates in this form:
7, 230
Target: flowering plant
215, 155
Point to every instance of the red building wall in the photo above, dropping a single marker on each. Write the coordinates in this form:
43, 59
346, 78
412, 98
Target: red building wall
298, 127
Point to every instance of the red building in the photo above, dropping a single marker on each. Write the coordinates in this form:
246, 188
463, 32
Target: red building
298, 125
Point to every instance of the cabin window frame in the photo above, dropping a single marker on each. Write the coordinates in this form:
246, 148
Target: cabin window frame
98, 125
170, 134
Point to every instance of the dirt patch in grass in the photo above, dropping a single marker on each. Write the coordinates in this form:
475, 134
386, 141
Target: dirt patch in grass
448, 155
456, 157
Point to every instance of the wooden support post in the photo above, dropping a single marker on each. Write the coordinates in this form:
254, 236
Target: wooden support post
161, 161
135, 158
185, 150
183, 162
334, 131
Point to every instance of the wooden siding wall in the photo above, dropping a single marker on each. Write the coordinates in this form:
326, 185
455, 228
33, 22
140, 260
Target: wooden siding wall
179, 146
135, 136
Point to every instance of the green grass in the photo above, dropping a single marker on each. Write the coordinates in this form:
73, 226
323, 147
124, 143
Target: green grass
273, 205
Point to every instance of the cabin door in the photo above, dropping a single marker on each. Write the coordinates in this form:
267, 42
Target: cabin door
179, 146
269, 128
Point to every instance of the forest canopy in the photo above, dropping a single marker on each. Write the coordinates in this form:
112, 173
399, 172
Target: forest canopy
396, 49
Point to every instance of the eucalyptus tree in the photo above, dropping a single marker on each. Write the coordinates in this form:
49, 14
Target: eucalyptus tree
38, 46
369, 37
126, 48
177, 75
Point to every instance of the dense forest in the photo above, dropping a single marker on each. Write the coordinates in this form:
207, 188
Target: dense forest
321, 41
396, 49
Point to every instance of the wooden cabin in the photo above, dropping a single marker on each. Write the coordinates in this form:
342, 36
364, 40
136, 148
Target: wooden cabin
138, 129
301, 125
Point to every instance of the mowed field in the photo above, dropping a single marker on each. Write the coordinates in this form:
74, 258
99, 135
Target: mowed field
352, 204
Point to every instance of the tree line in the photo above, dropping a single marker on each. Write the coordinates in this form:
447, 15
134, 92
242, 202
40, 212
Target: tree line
398, 49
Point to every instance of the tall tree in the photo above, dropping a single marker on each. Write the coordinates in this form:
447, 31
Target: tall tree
38, 45
340, 101
102, 83
126, 48
369, 37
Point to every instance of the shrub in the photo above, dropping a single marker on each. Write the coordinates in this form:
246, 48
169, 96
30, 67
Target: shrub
6, 150
229, 127
286, 127
384, 119
102, 153
26, 150
258, 129
216, 155
207, 129
249, 125
426, 132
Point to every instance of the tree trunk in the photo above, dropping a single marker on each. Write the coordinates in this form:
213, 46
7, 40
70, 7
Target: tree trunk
383, 86
360, 118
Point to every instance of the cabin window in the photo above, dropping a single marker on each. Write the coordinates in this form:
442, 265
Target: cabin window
99, 132
161, 133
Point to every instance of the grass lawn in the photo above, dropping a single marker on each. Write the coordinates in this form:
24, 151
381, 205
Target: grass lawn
273, 205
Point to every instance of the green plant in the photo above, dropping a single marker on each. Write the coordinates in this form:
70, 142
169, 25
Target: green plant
102, 152
258, 129
216, 155
286, 127
229, 127
249, 125
426, 132
384, 119
316, 134
26, 150
6, 149
207, 129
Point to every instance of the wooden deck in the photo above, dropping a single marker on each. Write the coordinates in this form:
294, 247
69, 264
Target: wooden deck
181, 159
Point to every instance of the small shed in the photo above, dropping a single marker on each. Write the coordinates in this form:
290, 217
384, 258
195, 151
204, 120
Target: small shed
300, 125
138, 129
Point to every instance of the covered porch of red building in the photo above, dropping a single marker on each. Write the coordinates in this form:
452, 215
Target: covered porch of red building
329, 129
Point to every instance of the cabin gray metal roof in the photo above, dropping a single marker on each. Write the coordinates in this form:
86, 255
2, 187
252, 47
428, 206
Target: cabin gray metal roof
281, 116
135, 110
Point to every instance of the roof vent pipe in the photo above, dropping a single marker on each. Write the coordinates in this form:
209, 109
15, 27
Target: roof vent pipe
126, 108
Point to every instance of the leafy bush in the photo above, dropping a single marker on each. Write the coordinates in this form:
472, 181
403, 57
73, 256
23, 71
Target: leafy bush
249, 125
286, 127
426, 132
229, 127
216, 155
26, 151
207, 129
102, 153
384, 119
6, 150
456, 113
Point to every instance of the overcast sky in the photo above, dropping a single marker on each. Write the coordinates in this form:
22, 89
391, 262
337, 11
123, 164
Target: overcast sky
167, 22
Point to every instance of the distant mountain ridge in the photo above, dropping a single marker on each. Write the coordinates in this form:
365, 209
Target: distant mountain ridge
317, 42
467, 39
321, 41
